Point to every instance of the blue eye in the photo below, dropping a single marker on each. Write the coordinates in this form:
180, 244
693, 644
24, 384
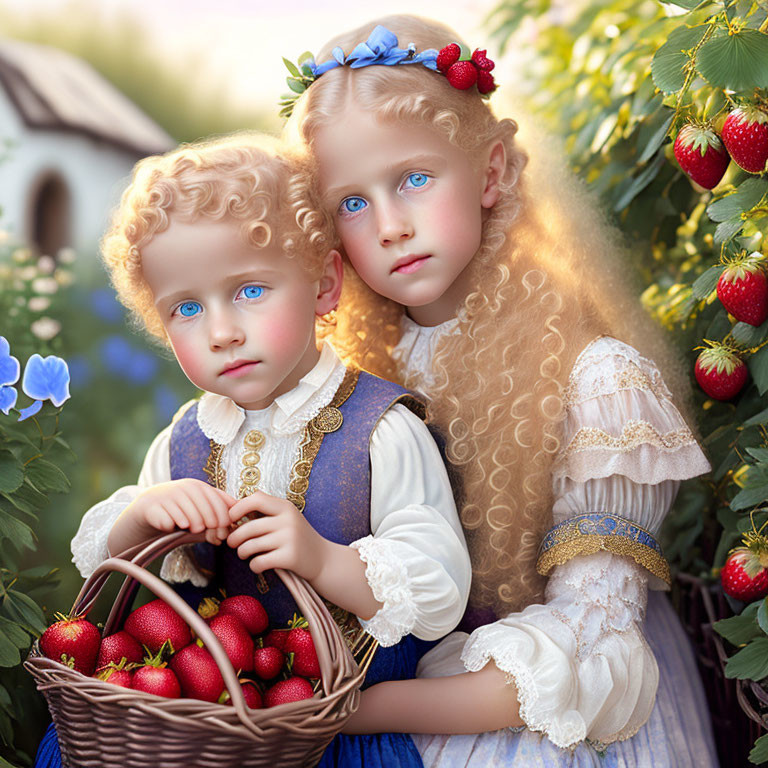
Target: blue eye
416, 180
353, 205
251, 292
190, 308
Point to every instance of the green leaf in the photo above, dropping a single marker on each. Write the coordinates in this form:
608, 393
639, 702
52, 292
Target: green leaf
750, 335
759, 418
304, 58
640, 182
689, 5
739, 630
47, 477
668, 67
11, 472
749, 497
707, 282
292, 68
657, 139
758, 367
750, 663
14, 633
759, 753
737, 61
727, 230
25, 611
761, 454
295, 85
762, 616
9, 653
16, 531
746, 197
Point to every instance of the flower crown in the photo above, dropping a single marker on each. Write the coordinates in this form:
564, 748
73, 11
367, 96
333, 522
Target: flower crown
461, 70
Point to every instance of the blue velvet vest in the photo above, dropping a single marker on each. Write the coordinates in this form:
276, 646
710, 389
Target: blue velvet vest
337, 504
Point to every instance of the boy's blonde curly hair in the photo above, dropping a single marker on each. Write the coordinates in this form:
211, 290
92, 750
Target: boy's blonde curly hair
248, 176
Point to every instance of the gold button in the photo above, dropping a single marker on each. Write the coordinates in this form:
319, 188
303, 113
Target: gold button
254, 439
250, 475
251, 458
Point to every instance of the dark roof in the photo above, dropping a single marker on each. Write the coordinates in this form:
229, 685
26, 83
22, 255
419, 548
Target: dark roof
54, 90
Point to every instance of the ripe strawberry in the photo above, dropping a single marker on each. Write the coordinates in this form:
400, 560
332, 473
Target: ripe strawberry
158, 680
267, 662
248, 609
482, 61
485, 83
198, 674
118, 674
235, 639
462, 75
251, 693
745, 575
745, 135
720, 372
156, 622
743, 290
119, 646
285, 691
276, 638
701, 154
448, 56
300, 644
74, 641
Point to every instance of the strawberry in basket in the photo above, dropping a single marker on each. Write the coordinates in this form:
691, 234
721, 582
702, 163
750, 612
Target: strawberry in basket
299, 642
119, 646
198, 673
155, 623
155, 677
251, 694
118, 674
235, 640
286, 691
74, 641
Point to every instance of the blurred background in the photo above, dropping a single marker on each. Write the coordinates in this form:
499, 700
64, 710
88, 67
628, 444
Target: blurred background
88, 87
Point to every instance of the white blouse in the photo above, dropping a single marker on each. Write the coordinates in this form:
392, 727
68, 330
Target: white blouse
417, 562
580, 662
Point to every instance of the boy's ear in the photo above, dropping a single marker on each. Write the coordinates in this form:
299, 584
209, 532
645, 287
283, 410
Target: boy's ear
494, 171
329, 288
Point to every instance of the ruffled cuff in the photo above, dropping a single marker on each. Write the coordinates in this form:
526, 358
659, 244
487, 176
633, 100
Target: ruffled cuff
179, 565
387, 576
580, 663
89, 545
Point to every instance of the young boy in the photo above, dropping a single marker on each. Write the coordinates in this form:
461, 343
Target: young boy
219, 251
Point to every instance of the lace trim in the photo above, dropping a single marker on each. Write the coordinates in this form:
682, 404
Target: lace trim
635, 432
564, 734
179, 566
388, 578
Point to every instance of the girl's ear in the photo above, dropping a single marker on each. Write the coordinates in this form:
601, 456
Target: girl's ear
329, 287
493, 173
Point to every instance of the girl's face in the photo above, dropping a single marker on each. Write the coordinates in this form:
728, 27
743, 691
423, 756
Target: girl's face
241, 320
408, 206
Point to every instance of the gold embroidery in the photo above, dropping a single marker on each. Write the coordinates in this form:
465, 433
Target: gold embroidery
250, 474
618, 545
217, 475
633, 434
328, 420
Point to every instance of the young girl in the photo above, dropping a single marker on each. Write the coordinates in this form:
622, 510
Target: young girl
501, 298
349, 485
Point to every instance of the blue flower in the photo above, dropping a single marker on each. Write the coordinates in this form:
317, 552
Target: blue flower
8, 397
46, 378
30, 410
9, 365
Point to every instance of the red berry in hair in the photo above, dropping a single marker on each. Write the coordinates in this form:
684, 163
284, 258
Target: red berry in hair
485, 82
701, 154
745, 135
462, 75
448, 56
292, 689
743, 291
482, 61
721, 373
72, 641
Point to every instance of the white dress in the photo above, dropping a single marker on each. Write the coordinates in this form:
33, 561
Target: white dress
600, 682
417, 560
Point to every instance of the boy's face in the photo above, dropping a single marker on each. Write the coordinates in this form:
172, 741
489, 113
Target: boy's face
241, 320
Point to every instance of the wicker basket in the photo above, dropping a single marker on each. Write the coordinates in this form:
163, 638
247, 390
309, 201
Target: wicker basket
100, 724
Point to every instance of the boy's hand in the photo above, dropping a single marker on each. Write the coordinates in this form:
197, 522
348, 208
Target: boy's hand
280, 537
186, 504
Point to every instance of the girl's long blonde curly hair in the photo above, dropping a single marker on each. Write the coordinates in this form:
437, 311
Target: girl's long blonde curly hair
250, 177
545, 282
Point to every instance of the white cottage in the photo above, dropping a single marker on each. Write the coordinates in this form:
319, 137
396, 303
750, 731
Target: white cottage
71, 140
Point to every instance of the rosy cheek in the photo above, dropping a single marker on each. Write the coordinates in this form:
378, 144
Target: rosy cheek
188, 355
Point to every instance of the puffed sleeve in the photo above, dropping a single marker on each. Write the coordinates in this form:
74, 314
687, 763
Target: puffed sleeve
417, 562
580, 662
89, 545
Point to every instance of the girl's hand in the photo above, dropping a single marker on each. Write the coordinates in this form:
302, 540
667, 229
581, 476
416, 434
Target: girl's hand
279, 537
186, 504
